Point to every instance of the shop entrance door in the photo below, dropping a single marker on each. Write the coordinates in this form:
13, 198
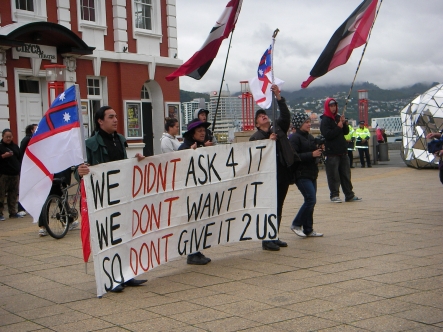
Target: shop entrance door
31, 105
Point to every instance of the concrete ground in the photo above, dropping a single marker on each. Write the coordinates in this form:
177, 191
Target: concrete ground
379, 267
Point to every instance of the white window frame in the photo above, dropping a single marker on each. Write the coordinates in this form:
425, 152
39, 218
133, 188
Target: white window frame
20, 15
100, 17
101, 98
155, 21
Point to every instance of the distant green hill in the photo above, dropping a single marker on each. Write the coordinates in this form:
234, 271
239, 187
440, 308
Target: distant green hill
374, 92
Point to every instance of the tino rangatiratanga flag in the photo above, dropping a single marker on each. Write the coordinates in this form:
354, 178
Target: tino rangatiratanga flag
200, 62
351, 34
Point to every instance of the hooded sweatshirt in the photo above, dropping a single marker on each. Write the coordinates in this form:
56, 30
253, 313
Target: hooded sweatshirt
335, 142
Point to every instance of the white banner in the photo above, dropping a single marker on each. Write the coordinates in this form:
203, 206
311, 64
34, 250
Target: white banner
144, 214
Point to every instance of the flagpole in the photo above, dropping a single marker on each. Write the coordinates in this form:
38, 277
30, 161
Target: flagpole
361, 58
274, 104
221, 84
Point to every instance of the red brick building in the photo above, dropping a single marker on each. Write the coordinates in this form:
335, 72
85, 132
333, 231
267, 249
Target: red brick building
118, 52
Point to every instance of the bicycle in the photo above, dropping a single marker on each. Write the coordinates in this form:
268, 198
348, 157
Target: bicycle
60, 211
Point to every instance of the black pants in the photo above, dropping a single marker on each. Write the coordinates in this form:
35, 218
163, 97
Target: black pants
364, 153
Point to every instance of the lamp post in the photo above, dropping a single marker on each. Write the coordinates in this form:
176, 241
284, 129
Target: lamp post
363, 106
56, 77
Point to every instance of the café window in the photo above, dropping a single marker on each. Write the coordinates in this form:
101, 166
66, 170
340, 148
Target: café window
143, 14
28, 10
147, 14
87, 9
25, 5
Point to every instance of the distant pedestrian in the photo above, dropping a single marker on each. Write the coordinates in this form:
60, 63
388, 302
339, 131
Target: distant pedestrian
350, 140
169, 141
362, 136
202, 115
338, 170
10, 163
29, 131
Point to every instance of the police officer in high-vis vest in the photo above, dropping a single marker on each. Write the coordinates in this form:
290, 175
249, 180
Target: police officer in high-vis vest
362, 136
350, 139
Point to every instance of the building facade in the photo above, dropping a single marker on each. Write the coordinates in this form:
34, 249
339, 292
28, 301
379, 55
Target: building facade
118, 52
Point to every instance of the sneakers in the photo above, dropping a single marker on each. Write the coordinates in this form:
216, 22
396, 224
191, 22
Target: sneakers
198, 259
73, 225
354, 199
298, 231
2, 218
22, 213
270, 245
13, 216
314, 234
336, 199
42, 232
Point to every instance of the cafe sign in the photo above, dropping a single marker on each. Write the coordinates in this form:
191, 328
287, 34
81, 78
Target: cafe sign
35, 51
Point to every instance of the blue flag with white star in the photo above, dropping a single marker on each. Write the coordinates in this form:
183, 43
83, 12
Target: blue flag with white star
56, 145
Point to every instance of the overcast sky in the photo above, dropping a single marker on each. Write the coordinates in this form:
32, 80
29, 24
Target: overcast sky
406, 44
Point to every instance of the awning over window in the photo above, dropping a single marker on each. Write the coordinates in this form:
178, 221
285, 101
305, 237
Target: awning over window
44, 33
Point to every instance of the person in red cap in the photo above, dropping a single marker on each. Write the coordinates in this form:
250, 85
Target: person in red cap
338, 170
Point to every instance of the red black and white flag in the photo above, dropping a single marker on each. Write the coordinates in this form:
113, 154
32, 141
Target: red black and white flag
199, 63
351, 34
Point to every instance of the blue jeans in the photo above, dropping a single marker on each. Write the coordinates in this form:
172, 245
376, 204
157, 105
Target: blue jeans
338, 173
305, 216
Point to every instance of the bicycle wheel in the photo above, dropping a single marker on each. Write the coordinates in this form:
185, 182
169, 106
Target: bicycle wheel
56, 217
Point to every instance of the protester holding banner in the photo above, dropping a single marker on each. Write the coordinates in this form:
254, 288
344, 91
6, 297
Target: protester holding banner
306, 174
285, 155
104, 146
338, 171
202, 115
195, 138
10, 162
169, 141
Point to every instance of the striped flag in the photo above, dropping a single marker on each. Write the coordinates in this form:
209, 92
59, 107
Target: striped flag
351, 34
199, 63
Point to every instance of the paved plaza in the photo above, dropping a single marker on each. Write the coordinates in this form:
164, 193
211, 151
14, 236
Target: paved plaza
379, 267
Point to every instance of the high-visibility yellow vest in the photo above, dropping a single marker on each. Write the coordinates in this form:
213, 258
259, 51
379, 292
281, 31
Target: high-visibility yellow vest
361, 134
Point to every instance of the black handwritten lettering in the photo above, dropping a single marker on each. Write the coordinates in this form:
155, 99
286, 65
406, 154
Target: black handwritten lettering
230, 162
242, 236
191, 171
102, 233
114, 228
111, 186
211, 166
203, 170
96, 192
255, 184
261, 155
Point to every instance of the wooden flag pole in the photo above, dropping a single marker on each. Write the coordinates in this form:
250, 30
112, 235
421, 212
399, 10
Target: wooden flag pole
361, 58
274, 103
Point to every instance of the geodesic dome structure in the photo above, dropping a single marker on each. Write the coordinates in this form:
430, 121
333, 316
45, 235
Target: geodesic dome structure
420, 117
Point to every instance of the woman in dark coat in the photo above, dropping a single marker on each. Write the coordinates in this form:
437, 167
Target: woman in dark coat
195, 138
306, 174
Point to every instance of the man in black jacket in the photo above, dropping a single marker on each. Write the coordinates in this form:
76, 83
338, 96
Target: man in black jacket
285, 155
337, 162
